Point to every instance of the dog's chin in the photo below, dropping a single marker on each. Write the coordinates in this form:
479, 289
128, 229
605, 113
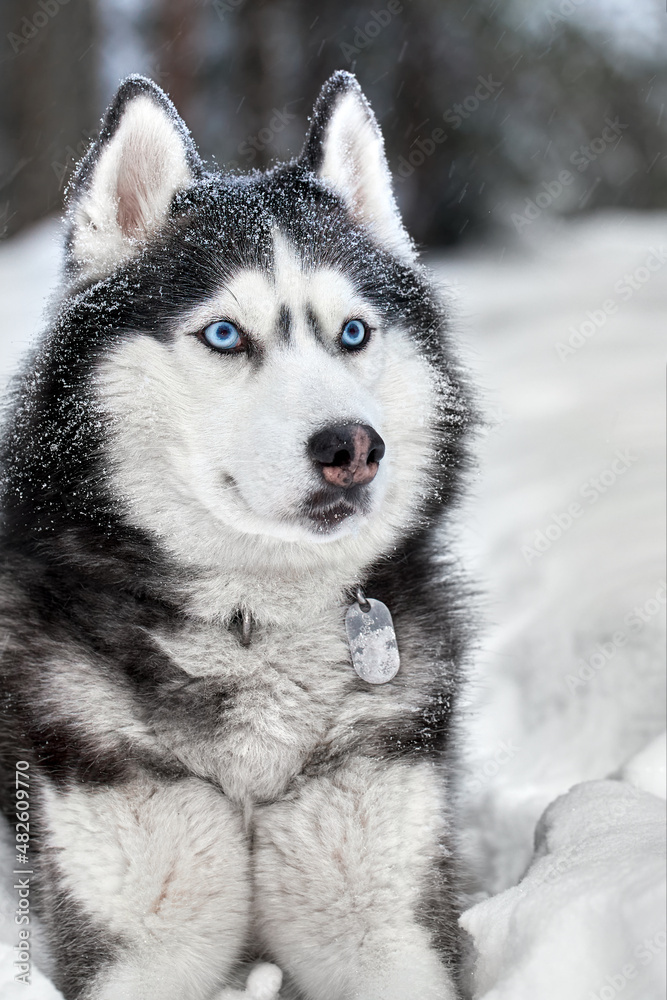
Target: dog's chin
323, 516
330, 514
329, 520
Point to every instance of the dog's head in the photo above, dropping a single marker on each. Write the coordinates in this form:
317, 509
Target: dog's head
273, 366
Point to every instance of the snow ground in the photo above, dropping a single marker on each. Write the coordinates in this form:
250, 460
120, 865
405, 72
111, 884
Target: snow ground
569, 683
588, 918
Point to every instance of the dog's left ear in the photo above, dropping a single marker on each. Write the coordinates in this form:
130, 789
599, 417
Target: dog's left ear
122, 190
344, 147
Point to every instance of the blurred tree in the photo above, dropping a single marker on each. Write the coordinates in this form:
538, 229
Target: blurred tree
48, 78
480, 109
176, 55
483, 105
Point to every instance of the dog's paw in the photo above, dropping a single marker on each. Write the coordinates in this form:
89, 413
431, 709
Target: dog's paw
263, 983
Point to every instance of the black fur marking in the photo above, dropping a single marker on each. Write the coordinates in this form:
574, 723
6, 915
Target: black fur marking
81, 947
315, 326
284, 324
65, 756
439, 911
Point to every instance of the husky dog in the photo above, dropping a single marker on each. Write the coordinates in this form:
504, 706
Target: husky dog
243, 424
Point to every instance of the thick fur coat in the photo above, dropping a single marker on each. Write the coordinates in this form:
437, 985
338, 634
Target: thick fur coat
211, 783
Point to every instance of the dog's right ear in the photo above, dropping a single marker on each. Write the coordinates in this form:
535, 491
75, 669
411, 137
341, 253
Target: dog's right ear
122, 190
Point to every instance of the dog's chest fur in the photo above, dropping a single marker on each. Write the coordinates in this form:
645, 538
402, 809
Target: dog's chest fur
251, 717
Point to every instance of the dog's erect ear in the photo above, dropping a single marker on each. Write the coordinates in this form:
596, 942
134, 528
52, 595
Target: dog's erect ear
122, 189
344, 147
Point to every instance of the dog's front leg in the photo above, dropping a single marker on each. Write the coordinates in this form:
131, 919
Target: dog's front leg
352, 898
144, 887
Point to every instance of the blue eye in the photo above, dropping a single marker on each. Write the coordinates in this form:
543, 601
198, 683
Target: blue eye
355, 334
223, 336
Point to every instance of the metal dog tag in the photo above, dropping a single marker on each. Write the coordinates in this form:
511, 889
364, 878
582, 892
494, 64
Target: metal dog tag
372, 640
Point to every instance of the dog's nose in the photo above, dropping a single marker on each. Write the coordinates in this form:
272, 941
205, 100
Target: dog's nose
347, 455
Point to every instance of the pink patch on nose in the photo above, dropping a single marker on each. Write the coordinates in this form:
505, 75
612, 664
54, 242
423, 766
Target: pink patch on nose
357, 470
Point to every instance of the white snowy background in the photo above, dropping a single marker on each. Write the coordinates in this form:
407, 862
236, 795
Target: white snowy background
566, 704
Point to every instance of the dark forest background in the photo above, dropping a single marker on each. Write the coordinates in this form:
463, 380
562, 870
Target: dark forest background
483, 104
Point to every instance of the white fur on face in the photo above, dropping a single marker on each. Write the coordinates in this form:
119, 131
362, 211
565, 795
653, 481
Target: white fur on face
208, 446
132, 184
